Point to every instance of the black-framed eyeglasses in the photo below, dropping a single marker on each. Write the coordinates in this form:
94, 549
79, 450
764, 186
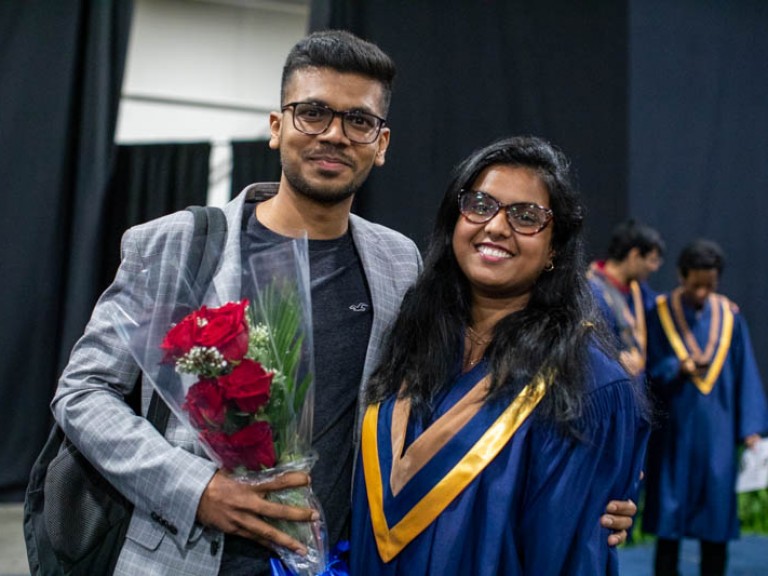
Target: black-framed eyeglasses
525, 218
313, 119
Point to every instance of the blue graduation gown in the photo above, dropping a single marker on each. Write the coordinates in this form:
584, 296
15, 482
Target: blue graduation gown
533, 509
692, 464
623, 311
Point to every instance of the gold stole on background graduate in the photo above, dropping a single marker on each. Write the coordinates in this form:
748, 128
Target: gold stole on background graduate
717, 304
618, 305
639, 328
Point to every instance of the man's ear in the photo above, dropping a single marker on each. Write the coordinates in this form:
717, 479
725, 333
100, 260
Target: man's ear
383, 145
275, 128
633, 253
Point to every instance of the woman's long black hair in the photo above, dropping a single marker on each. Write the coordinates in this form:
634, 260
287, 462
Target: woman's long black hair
551, 334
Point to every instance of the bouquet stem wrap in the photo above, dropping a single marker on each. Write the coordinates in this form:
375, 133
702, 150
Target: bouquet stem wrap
238, 373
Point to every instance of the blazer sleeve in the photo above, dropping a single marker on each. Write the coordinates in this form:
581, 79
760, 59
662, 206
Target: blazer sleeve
162, 477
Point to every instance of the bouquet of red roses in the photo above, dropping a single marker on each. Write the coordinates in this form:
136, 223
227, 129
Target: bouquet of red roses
240, 375
231, 403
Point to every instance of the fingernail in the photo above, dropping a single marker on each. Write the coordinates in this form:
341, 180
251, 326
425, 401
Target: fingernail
608, 521
315, 516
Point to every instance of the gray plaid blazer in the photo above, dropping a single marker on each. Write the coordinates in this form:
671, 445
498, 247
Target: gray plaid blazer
165, 476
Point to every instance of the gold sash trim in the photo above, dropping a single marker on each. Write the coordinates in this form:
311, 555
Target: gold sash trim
390, 541
640, 328
705, 384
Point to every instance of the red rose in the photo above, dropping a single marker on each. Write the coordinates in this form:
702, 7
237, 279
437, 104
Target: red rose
180, 339
220, 443
251, 447
248, 385
205, 404
226, 329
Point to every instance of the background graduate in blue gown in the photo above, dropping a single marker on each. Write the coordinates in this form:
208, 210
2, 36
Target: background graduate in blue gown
710, 399
620, 286
500, 422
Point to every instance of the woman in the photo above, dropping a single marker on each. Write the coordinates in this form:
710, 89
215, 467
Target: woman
496, 409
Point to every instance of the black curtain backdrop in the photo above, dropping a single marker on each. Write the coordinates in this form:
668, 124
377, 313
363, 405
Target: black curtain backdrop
472, 72
253, 161
699, 146
149, 181
660, 105
61, 67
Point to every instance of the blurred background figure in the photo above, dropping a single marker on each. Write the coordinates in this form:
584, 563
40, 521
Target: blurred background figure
710, 397
620, 286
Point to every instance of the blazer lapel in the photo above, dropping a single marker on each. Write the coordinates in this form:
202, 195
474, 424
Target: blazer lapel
377, 266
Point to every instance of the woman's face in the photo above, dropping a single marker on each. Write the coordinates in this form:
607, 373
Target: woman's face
497, 261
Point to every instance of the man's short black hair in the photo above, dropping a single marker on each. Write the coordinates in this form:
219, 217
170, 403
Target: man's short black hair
344, 52
701, 254
632, 234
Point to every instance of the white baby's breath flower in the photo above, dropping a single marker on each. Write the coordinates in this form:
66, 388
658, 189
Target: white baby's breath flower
205, 361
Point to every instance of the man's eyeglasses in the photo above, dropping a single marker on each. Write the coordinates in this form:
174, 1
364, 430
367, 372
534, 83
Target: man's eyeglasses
313, 119
525, 217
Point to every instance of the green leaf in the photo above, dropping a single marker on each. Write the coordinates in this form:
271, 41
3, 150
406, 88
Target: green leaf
280, 309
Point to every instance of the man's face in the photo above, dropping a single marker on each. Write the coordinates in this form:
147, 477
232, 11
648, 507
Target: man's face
328, 167
643, 266
698, 285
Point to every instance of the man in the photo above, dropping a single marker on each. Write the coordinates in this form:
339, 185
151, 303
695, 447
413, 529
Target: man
704, 376
620, 287
330, 131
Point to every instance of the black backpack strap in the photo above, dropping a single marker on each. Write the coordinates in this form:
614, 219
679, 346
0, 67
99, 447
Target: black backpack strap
204, 258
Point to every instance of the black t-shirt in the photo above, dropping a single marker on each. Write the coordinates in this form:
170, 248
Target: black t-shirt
341, 324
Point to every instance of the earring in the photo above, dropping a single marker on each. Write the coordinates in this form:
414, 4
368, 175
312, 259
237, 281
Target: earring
549, 266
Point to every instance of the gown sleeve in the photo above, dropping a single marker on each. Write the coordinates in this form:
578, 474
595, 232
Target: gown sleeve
752, 404
571, 480
663, 366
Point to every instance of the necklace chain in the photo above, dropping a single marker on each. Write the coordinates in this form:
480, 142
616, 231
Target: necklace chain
480, 339
477, 343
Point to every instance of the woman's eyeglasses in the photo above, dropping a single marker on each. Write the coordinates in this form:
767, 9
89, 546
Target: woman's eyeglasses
524, 217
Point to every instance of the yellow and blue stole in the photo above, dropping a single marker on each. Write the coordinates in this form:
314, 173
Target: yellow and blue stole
630, 320
706, 383
408, 489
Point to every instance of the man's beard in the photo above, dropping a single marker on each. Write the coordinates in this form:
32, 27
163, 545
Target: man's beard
323, 195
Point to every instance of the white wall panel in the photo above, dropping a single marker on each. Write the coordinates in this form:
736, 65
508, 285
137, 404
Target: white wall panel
206, 70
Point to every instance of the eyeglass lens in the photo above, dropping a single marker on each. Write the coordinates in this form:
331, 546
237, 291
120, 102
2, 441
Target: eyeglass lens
314, 119
524, 217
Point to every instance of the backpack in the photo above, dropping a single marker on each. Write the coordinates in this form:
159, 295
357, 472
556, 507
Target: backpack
82, 529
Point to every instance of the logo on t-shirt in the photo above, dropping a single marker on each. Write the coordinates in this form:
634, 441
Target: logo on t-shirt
361, 307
